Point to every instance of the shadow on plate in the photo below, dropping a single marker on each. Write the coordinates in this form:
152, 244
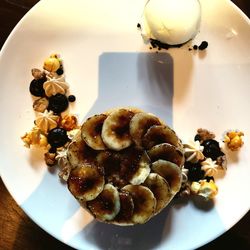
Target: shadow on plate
143, 80
198, 201
146, 236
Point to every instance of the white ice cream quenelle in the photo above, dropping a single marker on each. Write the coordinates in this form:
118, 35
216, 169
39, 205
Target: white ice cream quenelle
171, 21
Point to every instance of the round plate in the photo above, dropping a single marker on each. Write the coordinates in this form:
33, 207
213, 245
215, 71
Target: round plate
108, 65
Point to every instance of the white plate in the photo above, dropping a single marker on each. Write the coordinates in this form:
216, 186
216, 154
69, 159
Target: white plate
108, 65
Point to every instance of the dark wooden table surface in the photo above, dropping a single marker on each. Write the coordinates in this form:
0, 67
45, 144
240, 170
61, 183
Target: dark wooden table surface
17, 231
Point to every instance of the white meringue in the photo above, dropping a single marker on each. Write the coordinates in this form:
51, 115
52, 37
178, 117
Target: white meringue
193, 151
46, 120
210, 167
55, 85
63, 163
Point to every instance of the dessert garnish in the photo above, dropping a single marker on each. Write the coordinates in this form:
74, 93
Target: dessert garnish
202, 170
35, 138
170, 23
52, 129
210, 167
124, 165
204, 188
193, 151
46, 120
41, 104
234, 139
55, 85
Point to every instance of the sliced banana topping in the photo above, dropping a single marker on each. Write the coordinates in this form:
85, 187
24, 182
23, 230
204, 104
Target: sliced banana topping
158, 134
142, 171
161, 190
115, 130
126, 166
85, 182
139, 125
91, 131
107, 205
168, 152
111, 163
79, 153
144, 203
124, 217
170, 172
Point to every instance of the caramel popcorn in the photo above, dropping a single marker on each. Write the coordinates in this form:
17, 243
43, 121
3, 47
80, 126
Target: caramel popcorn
51, 64
206, 189
234, 139
69, 122
35, 137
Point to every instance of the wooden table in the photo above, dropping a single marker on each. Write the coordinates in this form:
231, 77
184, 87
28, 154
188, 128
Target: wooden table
17, 231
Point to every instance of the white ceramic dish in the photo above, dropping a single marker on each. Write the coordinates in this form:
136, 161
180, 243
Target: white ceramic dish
107, 65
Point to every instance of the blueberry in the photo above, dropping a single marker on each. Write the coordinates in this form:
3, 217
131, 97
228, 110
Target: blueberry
195, 47
71, 98
57, 137
195, 173
58, 103
60, 71
212, 149
36, 87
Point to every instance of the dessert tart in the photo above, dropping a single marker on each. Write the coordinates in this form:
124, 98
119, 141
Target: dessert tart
126, 166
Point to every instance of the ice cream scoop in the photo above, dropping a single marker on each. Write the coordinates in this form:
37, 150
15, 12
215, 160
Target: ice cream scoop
171, 22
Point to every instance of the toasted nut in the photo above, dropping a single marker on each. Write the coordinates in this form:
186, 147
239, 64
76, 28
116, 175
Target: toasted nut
37, 73
50, 158
204, 134
41, 104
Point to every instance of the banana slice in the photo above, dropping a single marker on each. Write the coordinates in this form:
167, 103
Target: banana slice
168, 152
91, 131
115, 130
170, 172
107, 205
142, 171
85, 182
79, 153
158, 134
127, 166
144, 203
111, 163
124, 217
161, 190
139, 125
